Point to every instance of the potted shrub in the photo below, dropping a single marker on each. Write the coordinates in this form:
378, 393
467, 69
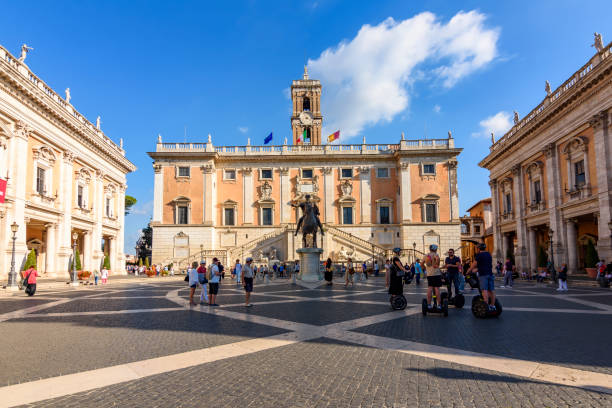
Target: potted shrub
30, 262
591, 259
148, 270
542, 259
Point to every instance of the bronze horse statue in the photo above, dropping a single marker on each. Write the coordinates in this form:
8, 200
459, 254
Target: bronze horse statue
309, 222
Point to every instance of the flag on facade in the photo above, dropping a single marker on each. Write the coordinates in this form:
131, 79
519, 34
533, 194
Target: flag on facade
268, 138
333, 136
2, 190
301, 137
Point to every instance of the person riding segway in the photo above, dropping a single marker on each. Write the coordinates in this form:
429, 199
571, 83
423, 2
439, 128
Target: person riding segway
434, 282
395, 283
453, 265
485, 303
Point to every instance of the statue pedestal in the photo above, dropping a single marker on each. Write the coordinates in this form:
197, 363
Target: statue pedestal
310, 260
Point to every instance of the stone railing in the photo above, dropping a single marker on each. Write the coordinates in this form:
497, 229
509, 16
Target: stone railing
507, 216
535, 207
364, 245
357, 149
51, 96
235, 251
550, 99
579, 192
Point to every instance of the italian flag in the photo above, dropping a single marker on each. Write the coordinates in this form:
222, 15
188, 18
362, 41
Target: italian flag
333, 136
302, 137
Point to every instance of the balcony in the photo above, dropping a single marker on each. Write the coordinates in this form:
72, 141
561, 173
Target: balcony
536, 206
579, 192
43, 198
507, 216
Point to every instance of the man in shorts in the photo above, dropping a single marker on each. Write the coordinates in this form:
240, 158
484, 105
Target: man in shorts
213, 283
434, 275
483, 262
247, 280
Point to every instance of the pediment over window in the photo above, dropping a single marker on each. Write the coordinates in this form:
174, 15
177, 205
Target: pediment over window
534, 167
229, 203
577, 144
430, 197
384, 200
346, 199
44, 152
181, 199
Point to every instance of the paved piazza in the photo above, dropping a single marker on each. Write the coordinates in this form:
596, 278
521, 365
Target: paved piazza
140, 344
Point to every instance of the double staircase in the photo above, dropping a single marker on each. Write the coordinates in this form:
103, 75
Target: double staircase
364, 246
238, 252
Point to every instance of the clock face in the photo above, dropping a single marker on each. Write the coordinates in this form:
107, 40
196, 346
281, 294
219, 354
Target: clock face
306, 118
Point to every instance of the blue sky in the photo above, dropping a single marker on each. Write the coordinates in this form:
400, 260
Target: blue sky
149, 67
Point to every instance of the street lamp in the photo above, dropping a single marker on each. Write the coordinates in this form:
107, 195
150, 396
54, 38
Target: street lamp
12, 282
75, 279
553, 272
201, 252
414, 252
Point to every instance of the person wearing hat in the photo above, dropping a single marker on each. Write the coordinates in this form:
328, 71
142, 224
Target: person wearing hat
434, 275
203, 281
247, 280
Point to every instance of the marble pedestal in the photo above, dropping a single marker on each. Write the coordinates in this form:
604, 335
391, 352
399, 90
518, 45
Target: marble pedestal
310, 260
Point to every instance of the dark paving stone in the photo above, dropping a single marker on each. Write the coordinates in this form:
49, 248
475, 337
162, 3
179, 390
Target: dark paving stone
99, 304
12, 305
573, 340
316, 313
66, 345
603, 299
325, 373
537, 302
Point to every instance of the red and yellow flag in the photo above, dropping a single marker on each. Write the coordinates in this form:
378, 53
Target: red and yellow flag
333, 136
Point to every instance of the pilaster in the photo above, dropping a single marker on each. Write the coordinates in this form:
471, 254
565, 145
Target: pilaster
497, 239
553, 181
405, 192
158, 193
601, 124
247, 195
519, 203
208, 194
285, 196
328, 181
365, 191
452, 188
572, 253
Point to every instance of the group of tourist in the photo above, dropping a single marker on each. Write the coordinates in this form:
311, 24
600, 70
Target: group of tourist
209, 279
153, 270
263, 271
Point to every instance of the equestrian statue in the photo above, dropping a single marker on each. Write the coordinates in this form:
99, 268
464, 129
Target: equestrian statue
309, 222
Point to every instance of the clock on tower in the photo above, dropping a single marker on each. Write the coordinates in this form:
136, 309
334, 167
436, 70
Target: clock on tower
306, 119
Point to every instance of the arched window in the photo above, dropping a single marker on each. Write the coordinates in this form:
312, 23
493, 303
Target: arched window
306, 104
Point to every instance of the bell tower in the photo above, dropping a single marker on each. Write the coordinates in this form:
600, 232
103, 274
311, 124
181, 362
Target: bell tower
306, 119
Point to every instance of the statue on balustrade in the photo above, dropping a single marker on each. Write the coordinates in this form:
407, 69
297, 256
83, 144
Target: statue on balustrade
309, 223
598, 42
24, 52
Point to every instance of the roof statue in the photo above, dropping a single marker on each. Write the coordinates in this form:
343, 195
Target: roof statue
68, 97
598, 42
98, 122
159, 138
24, 52
305, 72
492, 138
450, 135
516, 118
121, 142
209, 138
547, 88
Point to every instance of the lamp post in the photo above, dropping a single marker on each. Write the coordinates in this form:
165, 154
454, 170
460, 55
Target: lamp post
553, 271
75, 279
414, 252
12, 281
201, 252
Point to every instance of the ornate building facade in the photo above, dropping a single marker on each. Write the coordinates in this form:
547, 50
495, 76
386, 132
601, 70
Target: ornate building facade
64, 177
551, 174
234, 201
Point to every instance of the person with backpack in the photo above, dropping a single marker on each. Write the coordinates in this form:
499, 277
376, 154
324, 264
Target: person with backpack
249, 274
213, 283
203, 280
563, 278
29, 280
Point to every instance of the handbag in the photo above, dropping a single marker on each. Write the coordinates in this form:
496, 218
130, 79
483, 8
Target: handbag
24, 282
186, 277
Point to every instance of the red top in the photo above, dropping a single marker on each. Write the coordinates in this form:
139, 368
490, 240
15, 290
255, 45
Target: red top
32, 275
201, 269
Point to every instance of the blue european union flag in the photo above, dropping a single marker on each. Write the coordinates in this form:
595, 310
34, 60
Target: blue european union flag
268, 138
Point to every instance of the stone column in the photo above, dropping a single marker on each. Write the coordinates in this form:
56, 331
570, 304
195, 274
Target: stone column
158, 193
17, 184
98, 213
602, 124
285, 196
247, 196
533, 250
497, 239
112, 253
328, 182
365, 191
553, 183
50, 251
405, 193
452, 188
572, 255
208, 195
120, 235
87, 252
519, 205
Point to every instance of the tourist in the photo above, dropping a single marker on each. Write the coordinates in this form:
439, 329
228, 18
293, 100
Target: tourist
350, 272
192, 274
508, 270
213, 283
600, 267
484, 263
281, 270
541, 276
413, 273
452, 265
376, 268
329, 271
563, 278
387, 267
248, 281
297, 267
498, 268
274, 269
434, 275
395, 278
203, 280
364, 271
221, 270
96, 276
29, 280
238, 271
104, 275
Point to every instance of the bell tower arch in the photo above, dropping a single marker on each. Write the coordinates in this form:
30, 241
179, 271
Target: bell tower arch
306, 119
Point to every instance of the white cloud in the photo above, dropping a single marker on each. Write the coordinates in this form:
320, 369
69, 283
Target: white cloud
437, 108
243, 129
498, 124
368, 79
145, 208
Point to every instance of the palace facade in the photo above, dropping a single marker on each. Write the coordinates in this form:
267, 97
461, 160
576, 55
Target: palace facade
64, 177
551, 174
236, 201
477, 228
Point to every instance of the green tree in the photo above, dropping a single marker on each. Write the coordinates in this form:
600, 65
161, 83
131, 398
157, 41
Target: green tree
106, 262
591, 257
542, 258
30, 261
77, 260
129, 203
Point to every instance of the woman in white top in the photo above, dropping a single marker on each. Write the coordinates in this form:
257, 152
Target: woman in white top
104, 275
350, 272
193, 281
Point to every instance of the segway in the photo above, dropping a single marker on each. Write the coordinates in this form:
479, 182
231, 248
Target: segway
398, 302
458, 300
479, 308
443, 310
